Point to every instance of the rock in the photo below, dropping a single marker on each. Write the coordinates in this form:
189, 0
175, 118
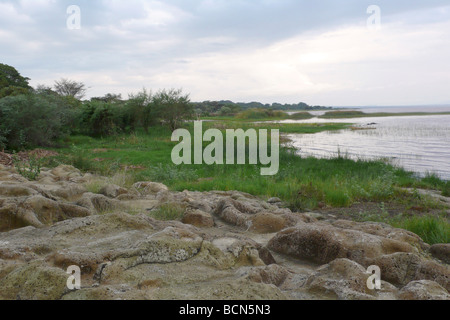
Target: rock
150, 188
34, 281
441, 252
274, 200
65, 172
53, 223
273, 274
423, 290
322, 243
198, 218
112, 191
267, 222
12, 216
345, 280
14, 190
73, 211
69, 191
401, 268
98, 203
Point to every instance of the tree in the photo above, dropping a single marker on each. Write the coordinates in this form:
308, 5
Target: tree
172, 107
70, 88
32, 120
11, 82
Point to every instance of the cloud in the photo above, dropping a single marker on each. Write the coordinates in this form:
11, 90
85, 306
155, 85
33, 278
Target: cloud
265, 50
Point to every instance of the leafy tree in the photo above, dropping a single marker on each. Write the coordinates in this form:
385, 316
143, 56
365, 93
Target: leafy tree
99, 118
172, 107
140, 110
70, 88
11, 82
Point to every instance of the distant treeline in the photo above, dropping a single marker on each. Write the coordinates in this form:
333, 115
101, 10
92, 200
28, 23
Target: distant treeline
226, 107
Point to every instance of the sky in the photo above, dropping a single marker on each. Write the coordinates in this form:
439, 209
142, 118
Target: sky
323, 52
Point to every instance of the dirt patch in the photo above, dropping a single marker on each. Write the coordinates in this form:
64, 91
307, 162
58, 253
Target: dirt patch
7, 158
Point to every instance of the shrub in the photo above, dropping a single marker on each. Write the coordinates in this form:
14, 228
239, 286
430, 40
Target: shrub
30, 169
100, 118
34, 120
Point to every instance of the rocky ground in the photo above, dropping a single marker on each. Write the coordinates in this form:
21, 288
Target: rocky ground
229, 245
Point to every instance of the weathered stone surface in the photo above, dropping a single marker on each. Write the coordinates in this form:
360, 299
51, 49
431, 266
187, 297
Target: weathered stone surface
401, 268
112, 191
150, 188
441, 252
198, 218
346, 280
272, 274
65, 172
224, 247
323, 243
33, 281
423, 290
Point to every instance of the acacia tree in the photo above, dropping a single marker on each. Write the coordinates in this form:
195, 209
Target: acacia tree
172, 107
70, 88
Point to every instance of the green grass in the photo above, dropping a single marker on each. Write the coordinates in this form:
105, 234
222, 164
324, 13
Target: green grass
303, 183
168, 212
431, 229
253, 115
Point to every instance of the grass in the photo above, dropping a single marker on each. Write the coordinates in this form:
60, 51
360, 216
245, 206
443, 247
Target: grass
303, 183
168, 212
431, 229
253, 115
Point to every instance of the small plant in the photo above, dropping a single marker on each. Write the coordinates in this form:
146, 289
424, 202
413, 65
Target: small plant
446, 189
168, 212
29, 169
430, 228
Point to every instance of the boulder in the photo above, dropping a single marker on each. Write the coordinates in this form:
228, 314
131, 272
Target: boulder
150, 188
198, 218
401, 268
266, 222
423, 290
344, 279
15, 190
272, 274
441, 252
112, 191
323, 243
65, 172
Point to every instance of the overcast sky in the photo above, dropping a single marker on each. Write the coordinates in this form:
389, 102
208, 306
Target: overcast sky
320, 52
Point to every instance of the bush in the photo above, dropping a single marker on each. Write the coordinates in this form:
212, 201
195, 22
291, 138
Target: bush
34, 120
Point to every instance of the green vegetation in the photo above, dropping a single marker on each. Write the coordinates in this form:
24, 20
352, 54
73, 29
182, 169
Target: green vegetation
229, 108
168, 212
131, 139
430, 228
30, 168
11, 82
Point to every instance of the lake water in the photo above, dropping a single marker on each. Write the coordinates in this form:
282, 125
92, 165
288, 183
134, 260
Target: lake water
418, 143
